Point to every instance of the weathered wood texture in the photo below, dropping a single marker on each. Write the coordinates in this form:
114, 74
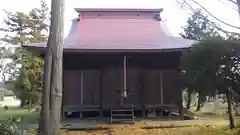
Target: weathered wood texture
133, 86
143, 80
71, 89
56, 45
44, 125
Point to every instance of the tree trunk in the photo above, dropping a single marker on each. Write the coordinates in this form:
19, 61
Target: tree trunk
200, 100
189, 99
235, 108
57, 50
29, 104
229, 102
215, 104
44, 123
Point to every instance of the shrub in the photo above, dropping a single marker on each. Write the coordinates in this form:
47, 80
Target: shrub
6, 107
11, 127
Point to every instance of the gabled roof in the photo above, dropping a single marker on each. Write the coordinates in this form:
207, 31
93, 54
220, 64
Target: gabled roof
127, 31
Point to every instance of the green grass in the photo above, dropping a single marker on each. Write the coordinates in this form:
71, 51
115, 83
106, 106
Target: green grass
26, 116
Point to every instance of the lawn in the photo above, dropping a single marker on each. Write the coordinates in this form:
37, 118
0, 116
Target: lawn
23, 113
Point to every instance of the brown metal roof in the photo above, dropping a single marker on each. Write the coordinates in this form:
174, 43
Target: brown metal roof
113, 31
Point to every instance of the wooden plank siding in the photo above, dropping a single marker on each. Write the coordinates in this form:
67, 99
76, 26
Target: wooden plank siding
152, 87
103, 81
71, 88
133, 87
91, 87
112, 85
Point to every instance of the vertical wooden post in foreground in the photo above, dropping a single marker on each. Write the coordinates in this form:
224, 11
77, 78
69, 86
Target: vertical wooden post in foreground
51, 107
57, 27
43, 128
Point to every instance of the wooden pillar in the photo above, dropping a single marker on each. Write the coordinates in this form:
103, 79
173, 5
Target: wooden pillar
161, 86
124, 91
101, 91
125, 76
161, 90
81, 90
142, 91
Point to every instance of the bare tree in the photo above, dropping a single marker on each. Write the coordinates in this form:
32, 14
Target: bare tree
192, 5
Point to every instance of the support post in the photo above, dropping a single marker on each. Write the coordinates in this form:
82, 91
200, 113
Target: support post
125, 77
161, 86
124, 91
161, 90
81, 89
101, 92
142, 91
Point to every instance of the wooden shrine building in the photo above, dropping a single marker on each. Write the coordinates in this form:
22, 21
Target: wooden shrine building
120, 58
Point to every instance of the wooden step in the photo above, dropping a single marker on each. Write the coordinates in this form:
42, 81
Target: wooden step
122, 110
122, 120
121, 115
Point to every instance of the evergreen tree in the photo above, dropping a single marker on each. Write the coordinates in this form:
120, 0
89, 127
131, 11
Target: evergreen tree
215, 66
198, 27
21, 29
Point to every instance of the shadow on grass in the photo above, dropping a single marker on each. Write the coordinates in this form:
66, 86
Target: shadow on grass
210, 114
90, 130
162, 127
19, 113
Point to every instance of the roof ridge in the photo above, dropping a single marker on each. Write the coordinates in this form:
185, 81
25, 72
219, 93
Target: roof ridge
118, 9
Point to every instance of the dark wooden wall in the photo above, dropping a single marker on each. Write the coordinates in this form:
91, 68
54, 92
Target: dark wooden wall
103, 79
71, 87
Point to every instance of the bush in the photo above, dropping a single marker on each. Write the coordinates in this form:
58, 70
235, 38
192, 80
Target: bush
11, 127
6, 107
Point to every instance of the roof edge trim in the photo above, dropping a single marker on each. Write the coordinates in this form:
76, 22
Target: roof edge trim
118, 9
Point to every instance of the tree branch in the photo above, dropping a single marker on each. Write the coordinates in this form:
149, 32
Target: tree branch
202, 7
214, 24
226, 3
232, 1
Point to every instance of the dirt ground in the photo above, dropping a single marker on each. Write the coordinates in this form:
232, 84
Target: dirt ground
160, 130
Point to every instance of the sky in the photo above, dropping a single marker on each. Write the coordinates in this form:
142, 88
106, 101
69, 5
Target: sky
175, 17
